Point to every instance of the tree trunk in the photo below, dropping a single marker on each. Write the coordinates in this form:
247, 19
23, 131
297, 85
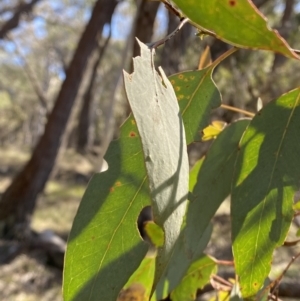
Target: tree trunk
84, 135
144, 26
19, 200
174, 48
285, 30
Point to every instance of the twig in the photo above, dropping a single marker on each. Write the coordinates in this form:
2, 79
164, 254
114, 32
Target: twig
224, 56
223, 262
170, 36
296, 51
286, 288
291, 243
222, 280
172, 9
275, 284
203, 31
277, 281
222, 284
237, 110
273, 297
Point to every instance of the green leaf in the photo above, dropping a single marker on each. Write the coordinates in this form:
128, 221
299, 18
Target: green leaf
155, 233
196, 277
197, 96
214, 179
296, 206
122, 190
156, 111
180, 262
237, 22
104, 247
263, 294
194, 175
266, 178
143, 277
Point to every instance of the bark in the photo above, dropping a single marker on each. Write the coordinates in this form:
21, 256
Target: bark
19, 200
84, 138
14, 21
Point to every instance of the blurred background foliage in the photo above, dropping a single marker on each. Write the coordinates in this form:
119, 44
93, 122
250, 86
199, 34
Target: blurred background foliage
37, 41
35, 54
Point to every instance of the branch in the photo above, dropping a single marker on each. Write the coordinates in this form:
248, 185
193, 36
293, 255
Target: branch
231, 108
277, 281
286, 288
13, 22
172, 9
32, 78
7, 8
222, 262
289, 5
170, 36
291, 243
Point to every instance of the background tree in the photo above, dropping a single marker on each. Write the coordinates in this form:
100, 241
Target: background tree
18, 201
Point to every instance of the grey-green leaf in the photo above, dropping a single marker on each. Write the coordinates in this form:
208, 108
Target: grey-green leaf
156, 111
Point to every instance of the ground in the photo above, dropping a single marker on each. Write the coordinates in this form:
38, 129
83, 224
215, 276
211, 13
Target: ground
28, 278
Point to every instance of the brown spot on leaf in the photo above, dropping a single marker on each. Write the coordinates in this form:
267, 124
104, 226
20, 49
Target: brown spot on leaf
232, 2
136, 292
132, 134
111, 189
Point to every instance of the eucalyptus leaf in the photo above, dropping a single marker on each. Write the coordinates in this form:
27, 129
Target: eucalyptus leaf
266, 178
237, 22
156, 111
104, 240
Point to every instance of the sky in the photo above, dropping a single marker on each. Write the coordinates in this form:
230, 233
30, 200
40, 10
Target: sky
121, 22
